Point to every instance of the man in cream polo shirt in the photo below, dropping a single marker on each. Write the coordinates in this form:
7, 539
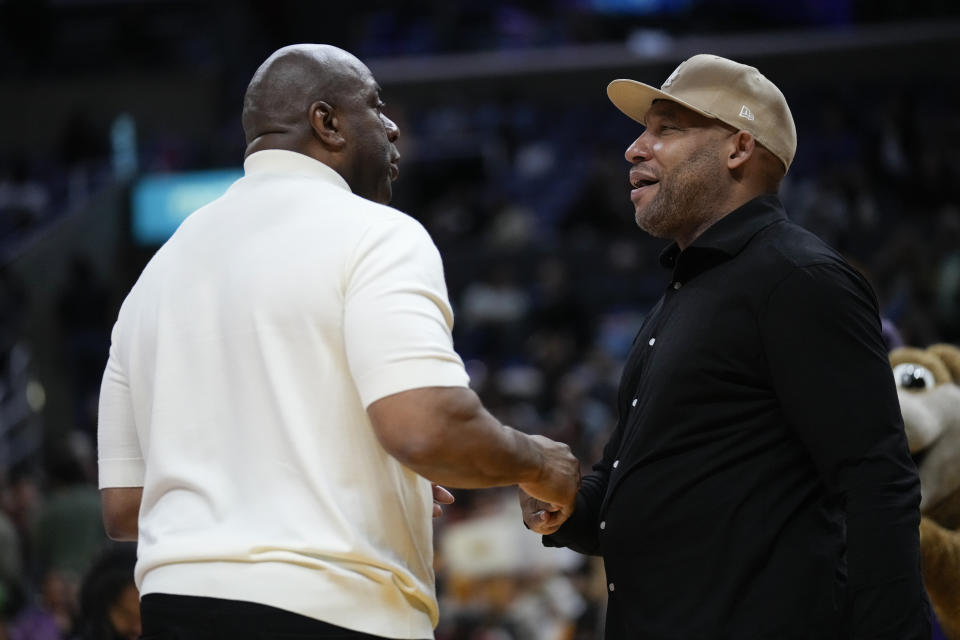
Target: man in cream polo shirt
282, 388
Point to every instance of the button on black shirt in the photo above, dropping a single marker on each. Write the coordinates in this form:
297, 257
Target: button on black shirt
758, 483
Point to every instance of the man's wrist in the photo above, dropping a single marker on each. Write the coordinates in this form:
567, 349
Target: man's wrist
531, 457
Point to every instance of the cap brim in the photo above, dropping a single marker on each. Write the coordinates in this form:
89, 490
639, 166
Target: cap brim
635, 99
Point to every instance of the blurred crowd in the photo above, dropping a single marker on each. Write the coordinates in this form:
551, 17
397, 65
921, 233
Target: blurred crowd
179, 33
550, 280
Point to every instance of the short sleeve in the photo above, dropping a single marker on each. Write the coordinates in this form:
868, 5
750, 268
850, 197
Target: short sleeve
118, 445
397, 318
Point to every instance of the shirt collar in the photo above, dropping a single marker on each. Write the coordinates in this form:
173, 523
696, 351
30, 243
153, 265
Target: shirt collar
291, 162
731, 233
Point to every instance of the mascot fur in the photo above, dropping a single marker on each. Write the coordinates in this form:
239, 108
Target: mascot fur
928, 384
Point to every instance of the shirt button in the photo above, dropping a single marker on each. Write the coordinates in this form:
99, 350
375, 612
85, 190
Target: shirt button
634, 403
610, 586
616, 463
676, 285
652, 341
603, 525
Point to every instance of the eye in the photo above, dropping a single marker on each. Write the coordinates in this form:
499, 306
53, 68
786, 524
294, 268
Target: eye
913, 377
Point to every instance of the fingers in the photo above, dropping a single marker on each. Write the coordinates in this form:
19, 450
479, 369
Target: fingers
544, 522
441, 495
532, 505
558, 486
548, 502
536, 519
539, 516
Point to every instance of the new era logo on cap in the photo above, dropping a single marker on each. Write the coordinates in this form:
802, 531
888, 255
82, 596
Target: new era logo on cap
746, 113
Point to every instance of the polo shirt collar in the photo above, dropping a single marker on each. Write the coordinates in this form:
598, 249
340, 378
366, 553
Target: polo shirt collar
731, 233
291, 162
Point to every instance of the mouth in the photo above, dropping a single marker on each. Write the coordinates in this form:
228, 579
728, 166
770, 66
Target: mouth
639, 180
640, 183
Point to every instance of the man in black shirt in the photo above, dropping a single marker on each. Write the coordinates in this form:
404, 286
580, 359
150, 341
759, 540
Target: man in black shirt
758, 483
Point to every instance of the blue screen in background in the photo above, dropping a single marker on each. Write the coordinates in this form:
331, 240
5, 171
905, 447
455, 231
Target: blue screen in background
642, 7
805, 12
160, 202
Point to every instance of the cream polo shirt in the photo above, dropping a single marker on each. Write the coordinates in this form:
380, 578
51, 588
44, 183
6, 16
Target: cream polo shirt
240, 368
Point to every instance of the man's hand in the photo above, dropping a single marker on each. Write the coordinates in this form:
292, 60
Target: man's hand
440, 497
539, 516
555, 491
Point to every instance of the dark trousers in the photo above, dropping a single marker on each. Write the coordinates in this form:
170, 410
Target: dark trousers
169, 617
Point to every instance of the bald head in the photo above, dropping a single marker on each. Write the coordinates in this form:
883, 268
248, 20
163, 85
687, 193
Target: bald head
322, 102
276, 107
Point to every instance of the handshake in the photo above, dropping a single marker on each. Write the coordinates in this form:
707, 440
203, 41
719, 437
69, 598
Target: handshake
447, 436
548, 502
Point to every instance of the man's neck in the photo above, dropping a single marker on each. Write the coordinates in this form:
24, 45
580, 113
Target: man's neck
735, 200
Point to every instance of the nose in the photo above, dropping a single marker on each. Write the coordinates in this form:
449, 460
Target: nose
638, 150
393, 131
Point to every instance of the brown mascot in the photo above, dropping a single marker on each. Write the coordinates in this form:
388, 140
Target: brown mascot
929, 388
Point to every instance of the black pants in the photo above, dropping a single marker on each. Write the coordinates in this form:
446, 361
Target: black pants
169, 617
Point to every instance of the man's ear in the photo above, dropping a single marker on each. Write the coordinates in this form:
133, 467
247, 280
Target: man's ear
743, 144
326, 125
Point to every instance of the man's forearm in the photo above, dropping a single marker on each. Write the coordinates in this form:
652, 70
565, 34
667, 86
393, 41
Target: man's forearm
445, 435
475, 452
121, 510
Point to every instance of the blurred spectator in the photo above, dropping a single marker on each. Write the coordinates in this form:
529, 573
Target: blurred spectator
11, 571
13, 303
492, 311
561, 326
24, 200
20, 499
947, 290
500, 177
11, 564
63, 533
48, 616
84, 149
68, 530
83, 309
109, 600
502, 583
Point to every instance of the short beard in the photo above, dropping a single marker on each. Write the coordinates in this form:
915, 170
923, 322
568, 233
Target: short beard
687, 199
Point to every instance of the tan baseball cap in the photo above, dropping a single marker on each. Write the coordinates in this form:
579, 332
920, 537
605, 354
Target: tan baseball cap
723, 89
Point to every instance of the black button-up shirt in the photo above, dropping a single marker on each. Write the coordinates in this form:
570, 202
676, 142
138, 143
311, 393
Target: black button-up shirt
758, 483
